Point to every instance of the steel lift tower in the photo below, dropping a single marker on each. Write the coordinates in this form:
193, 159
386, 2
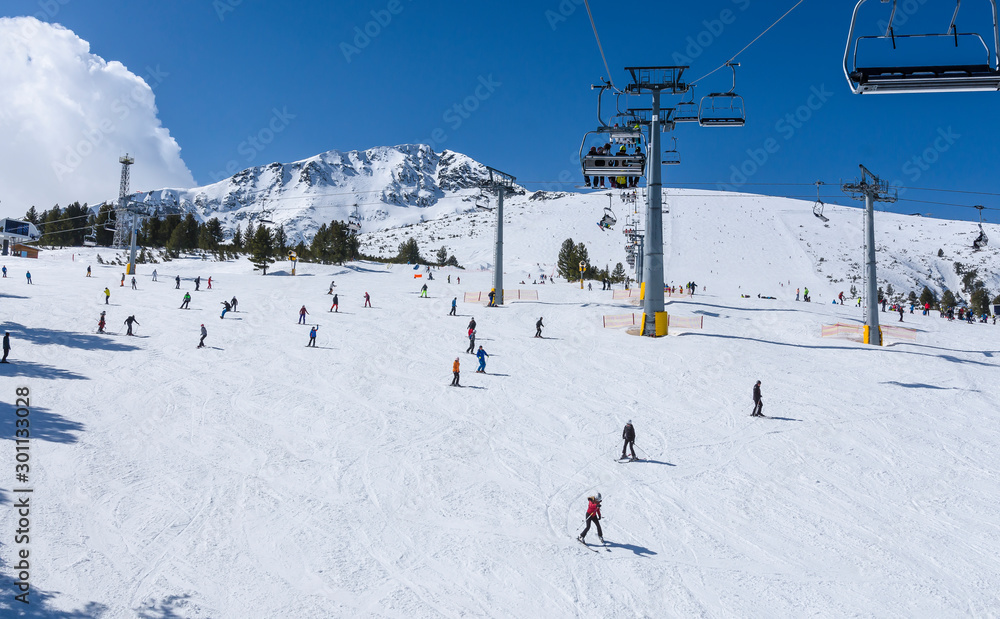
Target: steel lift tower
501, 183
122, 221
654, 80
871, 189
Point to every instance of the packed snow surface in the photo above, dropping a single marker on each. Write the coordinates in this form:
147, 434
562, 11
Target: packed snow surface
260, 478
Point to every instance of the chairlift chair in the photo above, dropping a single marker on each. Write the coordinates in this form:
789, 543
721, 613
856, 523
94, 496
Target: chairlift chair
354, 221
613, 164
818, 207
90, 240
609, 220
723, 109
686, 111
977, 70
982, 240
672, 157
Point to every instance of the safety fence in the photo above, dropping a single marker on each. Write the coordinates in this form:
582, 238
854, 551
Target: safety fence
633, 293
508, 295
842, 330
673, 322
857, 332
898, 334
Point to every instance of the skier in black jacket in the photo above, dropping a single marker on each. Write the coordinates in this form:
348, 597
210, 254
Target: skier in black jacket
758, 402
629, 435
129, 321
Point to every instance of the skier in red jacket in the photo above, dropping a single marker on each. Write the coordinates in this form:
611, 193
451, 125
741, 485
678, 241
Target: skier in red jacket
593, 516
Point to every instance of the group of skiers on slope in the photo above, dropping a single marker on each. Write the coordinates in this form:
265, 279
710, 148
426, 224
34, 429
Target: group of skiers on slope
481, 354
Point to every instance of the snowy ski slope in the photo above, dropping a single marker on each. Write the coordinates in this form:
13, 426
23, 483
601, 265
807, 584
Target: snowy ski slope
261, 478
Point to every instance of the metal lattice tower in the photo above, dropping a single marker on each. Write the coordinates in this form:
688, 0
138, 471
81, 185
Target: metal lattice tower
123, 219
501, 183
871, 189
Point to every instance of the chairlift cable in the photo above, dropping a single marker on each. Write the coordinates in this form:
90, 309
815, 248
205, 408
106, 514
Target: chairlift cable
723, 65
600, 48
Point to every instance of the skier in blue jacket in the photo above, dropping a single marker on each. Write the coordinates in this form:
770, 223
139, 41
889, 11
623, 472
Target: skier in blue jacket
482, 354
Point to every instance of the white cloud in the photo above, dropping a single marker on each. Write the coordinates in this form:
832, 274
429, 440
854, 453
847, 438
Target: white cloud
67, 115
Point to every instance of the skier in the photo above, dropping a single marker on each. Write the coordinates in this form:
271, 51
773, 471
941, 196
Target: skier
312, 336
456, 277
593, 516
859, 301
5, 270
6, 346
234, 302
368, 300
493, 296
129, 321
204, 334
178, 280
336, 304
210, 283
133, 284
758, 402
88, 270
900, 312
454, 307
122, 285
101, 323
883, 304
332, 286
482, 354
302, 315
590, 286
472, 323
805, 294
454, 369
538, 327
154, 275
186, 301
472, 341
841, 297
423, 291
449, 279
629, 435
225, 308
796, 294
28, 275
107, 296
197, 283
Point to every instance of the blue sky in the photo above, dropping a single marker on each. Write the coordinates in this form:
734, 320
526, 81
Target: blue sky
303, 80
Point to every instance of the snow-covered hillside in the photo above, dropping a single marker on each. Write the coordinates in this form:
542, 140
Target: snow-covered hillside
389, 186
261, 478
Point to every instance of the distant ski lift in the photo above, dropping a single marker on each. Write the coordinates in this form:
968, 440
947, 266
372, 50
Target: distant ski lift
687, 111
90, 240
265, 216
672, 157
949, 62
818, 207
723, 109
608, 220
981, 240
354, 221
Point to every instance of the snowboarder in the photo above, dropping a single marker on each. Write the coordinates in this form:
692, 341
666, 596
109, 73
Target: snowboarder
368, 300
593, 516
101, 323
472, 341
312, 336
482, 354
133, 284
178, 280
454, 370
107, 296
336, 304
6, 346
186, 301
454, 307
197, 283
88, 270
629, 435
423, 291
234, 302
302, 315
225, 308
154, 275
130, 321
538, 327
204, 334
28, 275
758, 402
210, 283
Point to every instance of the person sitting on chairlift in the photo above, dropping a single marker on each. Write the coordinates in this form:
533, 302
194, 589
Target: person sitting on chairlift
586, 179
